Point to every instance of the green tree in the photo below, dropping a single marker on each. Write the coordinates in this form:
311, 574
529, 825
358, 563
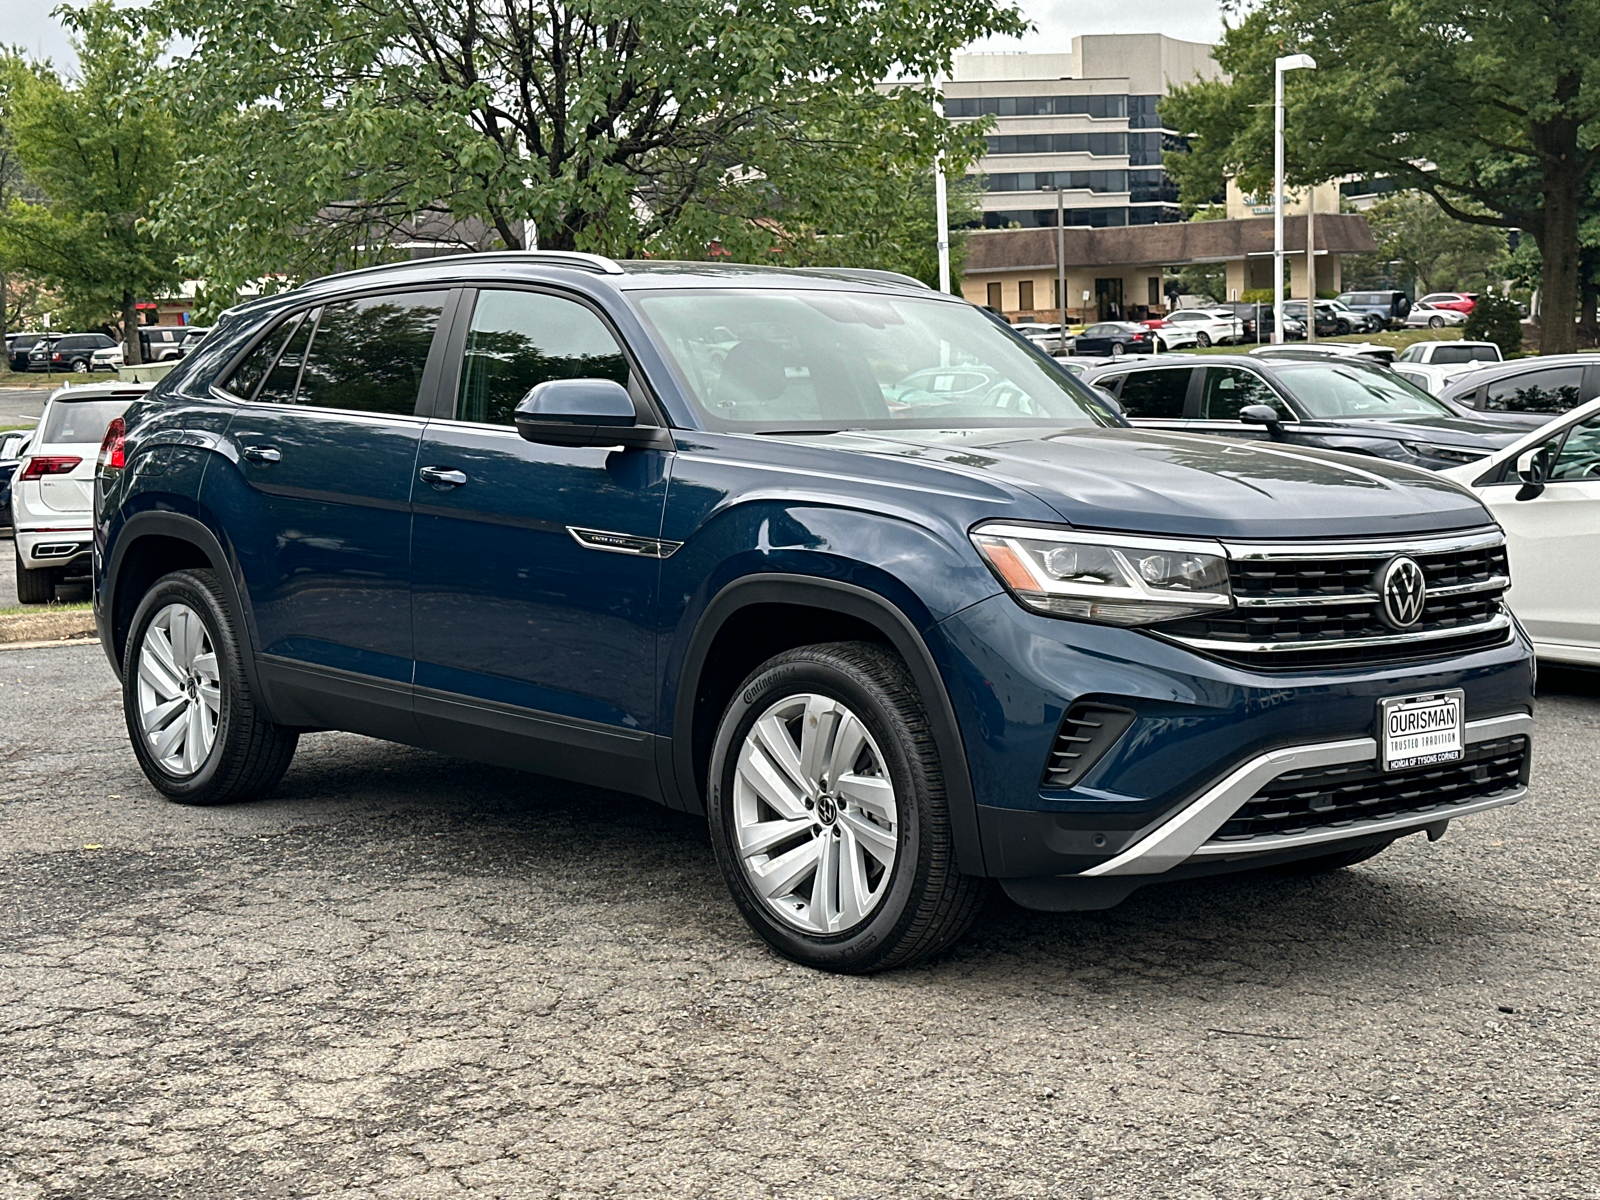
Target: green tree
1422, 244
99, 151
315, 131
1491, 111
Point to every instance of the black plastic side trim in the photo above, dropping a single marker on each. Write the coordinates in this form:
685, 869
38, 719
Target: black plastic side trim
311, 696
833, 596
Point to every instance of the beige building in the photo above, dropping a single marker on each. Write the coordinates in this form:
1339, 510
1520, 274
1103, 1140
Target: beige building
1117, 273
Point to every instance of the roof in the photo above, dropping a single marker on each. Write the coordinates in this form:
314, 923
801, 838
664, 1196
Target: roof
1161, 245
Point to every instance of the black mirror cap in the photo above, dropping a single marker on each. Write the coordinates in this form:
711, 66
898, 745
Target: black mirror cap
584, 412
1260, 414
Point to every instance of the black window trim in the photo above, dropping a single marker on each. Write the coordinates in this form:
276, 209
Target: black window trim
647, 408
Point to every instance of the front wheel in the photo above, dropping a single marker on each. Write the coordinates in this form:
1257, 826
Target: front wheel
196, 727
828, 815
1342, 328
1203, 340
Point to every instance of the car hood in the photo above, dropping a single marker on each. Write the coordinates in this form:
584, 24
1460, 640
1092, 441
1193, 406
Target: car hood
1151, 481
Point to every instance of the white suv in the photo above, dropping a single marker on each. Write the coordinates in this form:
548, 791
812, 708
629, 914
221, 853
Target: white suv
1211, 326
52, 494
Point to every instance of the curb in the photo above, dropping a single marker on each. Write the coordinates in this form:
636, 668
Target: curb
78, 641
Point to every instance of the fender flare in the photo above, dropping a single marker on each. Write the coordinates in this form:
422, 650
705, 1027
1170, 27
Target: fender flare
864, 605
198, 534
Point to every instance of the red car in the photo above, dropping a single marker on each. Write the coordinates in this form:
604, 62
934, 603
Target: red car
1460, 301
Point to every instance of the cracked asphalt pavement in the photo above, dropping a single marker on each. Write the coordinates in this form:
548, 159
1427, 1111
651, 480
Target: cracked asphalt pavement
407, 976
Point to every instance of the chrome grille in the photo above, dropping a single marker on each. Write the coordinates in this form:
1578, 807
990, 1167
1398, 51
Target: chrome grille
1312, 605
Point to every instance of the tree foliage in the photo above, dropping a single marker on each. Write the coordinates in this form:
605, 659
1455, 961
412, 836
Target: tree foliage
1495, 318
1490, 110
1422, 244
98, 149
318, 133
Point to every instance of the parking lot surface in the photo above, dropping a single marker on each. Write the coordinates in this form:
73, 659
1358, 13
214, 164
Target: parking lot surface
407, 976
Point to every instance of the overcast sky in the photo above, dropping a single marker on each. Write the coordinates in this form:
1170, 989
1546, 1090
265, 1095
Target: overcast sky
29, 24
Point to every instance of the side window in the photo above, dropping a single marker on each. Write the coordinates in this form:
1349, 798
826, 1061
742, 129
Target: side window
249, 373
367, 355
1580, 454
520, 339
1155, 393
1229, 389
1552, 390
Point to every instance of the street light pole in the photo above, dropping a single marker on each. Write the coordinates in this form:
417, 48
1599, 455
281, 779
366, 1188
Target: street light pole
940, 202
1061, 266
1289, 62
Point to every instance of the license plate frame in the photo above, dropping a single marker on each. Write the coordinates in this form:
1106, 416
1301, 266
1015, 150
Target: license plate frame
1405, 741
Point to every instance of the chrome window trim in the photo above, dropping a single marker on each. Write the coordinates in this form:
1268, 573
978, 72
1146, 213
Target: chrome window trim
1496, 622
1184, 835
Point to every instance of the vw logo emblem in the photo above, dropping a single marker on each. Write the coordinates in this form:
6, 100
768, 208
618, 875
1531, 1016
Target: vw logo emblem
1403, 592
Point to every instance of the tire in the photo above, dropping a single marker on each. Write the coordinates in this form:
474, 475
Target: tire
1117, 350
898, 911
1326, 863
165, 664
1202, 339
79, 366
36, 585
1342, 329
1435, 322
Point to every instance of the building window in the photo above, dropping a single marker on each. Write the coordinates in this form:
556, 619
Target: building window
1142, 112
1082, 218
994, 297
1077, 181
1099, 144
1097, 107
1154, 300
1025, 295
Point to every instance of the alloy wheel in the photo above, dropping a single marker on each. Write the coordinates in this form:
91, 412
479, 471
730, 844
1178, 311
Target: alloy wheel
815, 814
180, 690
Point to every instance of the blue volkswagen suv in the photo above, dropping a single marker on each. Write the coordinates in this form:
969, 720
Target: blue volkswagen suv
825, 557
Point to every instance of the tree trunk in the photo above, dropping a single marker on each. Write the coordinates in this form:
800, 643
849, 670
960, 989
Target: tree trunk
1556, 144
132, 345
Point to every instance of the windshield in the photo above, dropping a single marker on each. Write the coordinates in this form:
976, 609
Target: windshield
1349, 390
824, 360
80, 421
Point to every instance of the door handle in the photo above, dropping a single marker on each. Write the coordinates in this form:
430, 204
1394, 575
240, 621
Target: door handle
265, 454
443, 477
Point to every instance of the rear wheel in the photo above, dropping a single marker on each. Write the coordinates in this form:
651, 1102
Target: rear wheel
1435, 322
828, 813
80, 365
36, 586
194, 722
1118, 350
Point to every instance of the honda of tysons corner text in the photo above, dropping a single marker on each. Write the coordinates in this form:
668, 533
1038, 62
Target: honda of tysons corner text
825, 557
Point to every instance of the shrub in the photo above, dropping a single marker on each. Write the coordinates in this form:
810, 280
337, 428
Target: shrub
1256, 296
1495, 319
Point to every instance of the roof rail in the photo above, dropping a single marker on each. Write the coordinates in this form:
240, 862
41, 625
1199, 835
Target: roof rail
596, 263
866, 274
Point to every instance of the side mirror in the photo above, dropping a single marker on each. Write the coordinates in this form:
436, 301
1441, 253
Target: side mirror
1263, 414
584, 412
1533, 467
1106, 398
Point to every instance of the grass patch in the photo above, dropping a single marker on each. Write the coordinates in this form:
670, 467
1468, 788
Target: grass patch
46, 380
39, 610
1397, 338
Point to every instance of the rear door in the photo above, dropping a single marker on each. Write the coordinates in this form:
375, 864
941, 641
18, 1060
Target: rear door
536, 567
318, 501
1538, 390
1157, 397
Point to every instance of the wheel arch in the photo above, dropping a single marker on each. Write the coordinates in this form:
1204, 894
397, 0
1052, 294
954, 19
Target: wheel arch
802, 610
153, 544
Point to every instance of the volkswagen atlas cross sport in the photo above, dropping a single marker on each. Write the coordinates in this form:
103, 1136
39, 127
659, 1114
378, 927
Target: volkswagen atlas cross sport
826, 558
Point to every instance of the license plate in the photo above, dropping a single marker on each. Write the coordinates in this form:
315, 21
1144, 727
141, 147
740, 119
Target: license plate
1418, 731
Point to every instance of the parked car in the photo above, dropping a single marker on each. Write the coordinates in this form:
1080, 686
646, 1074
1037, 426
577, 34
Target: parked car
1367, 351
1116, 338
702, 533
1544, 491
107, 358
162, 343
1461, 302
1432, 378
193, 335
1172, 335
52, 492
69, 352
1333, 404
1389, 308
1258, 323
1329, 321
1547, 385
1212, 326
1451, 353
20, 350
13, 445
1429, 316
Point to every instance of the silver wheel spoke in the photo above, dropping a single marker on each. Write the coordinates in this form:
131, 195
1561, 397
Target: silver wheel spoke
155, 719
850, 735
762, 836
825, 887
163, 744
877, 841
157, 676
772, 785
870, 792
211, 695
206, 664
179, 690
854, 894
158, 651
773, 737
780, 876
816, 733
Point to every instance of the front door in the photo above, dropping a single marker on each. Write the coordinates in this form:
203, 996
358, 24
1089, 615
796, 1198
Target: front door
1108, 299
318, 499
1553, 542
536, 567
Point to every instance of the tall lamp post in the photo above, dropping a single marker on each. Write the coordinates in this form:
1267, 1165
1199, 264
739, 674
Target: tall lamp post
940, 199
1061, 263
1291, 62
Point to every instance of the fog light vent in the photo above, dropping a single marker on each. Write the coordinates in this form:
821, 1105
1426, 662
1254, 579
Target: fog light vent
1087, 732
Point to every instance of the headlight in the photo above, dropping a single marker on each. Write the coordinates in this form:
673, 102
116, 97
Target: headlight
1112, 579
1454, 454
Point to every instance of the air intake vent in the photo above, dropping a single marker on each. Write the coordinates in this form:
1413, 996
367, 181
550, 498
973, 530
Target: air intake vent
1087, 732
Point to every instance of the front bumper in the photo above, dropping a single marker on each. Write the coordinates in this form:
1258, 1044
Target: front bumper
1207, 737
